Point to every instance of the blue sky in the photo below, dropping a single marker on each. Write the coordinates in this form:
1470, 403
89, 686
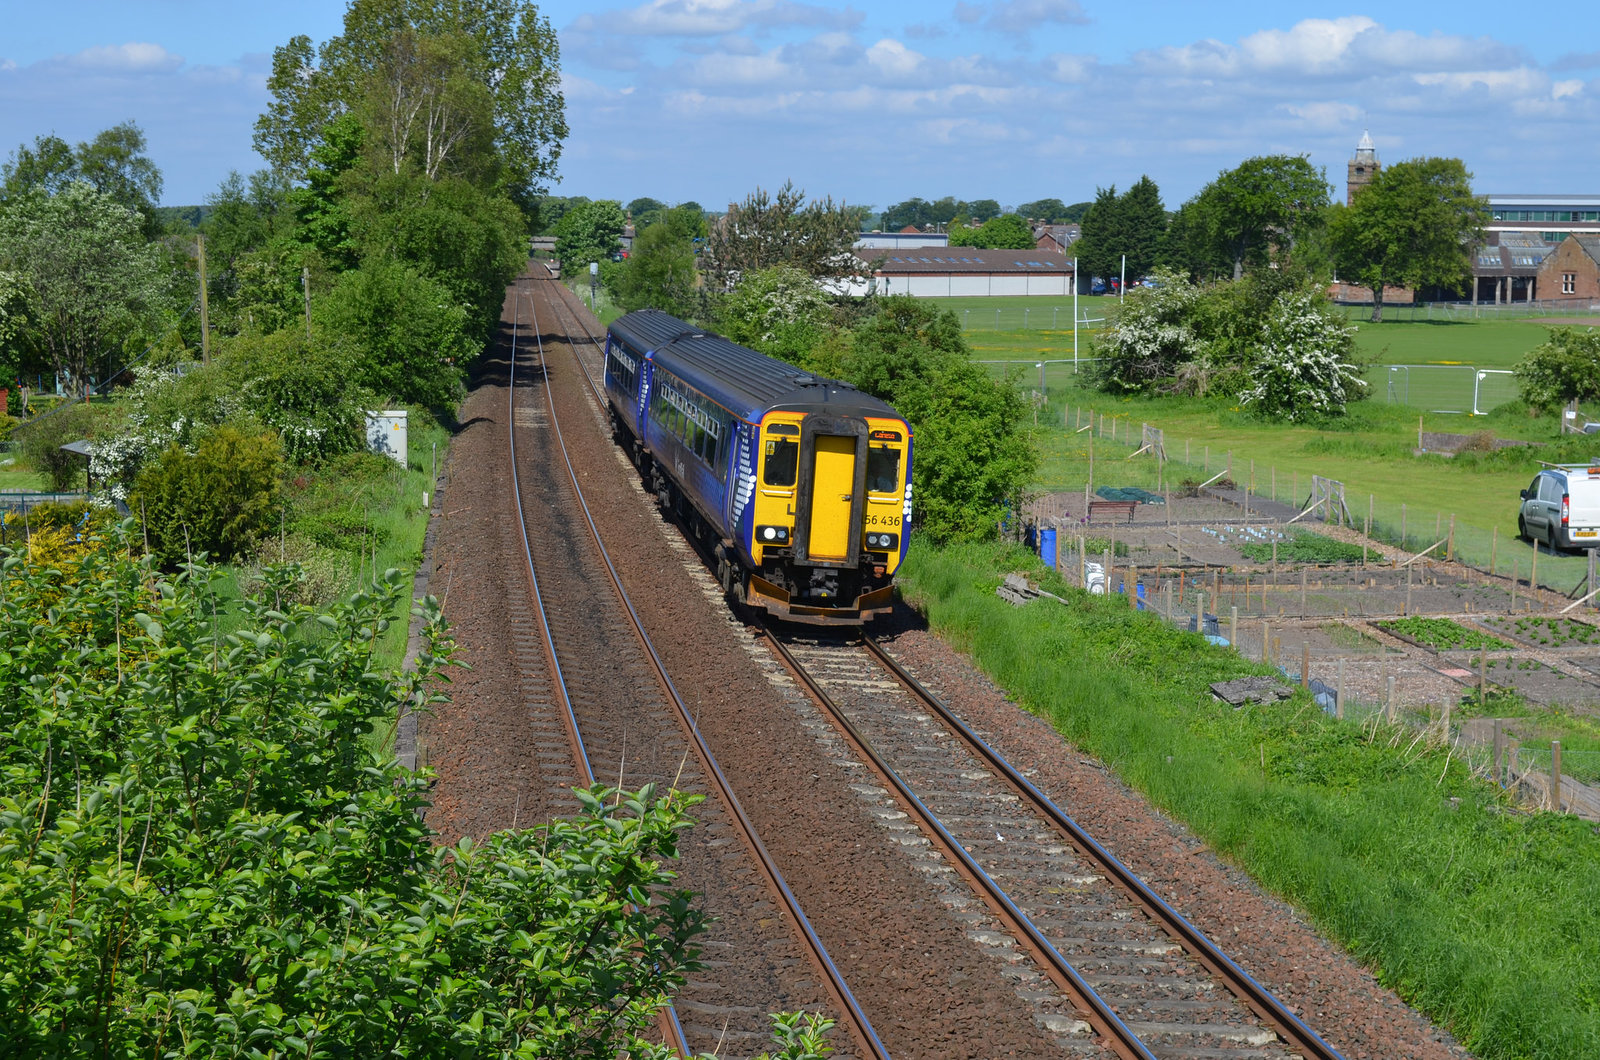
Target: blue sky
873, 103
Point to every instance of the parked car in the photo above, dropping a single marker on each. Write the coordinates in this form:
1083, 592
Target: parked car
1097, 286
1561, 507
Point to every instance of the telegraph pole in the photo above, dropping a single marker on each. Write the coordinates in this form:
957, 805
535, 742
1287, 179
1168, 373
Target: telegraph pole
205, 305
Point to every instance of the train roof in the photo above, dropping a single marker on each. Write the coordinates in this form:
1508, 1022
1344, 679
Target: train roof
741, 379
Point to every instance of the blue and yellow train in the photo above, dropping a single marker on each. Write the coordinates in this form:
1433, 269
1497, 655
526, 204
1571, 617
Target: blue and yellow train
798, 486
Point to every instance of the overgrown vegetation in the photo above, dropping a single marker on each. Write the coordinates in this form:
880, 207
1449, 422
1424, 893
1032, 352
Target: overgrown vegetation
1483, 918
200, 848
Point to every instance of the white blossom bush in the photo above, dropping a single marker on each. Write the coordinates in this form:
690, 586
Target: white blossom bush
158, 416
1150, 337
1302, 367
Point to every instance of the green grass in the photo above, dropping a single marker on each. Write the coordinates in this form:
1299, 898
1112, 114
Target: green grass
1487, 920
1372, 450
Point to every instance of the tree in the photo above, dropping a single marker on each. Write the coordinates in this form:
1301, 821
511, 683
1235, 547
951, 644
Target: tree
1255, 211
660, 272
114, 163
1563, 369
1415, 225
92, 277
1045, 211
765, 230
982, 210
219, 499
1100, 247
779, 311
411, 340
1006, 232
972, 454
504, 47
589, 232
1144, 225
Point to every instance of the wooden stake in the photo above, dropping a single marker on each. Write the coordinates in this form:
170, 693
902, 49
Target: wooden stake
1233, 628
1388, 703
1494, 545
1338, 693
1450, 546
1555, 775
1402, 524
1305, 664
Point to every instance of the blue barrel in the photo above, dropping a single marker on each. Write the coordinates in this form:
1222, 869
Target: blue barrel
1047, 546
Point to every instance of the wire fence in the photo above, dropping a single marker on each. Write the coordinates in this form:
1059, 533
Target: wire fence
1450, 388
1046, 316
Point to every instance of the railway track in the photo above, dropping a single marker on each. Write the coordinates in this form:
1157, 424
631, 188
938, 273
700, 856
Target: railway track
624, 716
1146, 981
1140, 977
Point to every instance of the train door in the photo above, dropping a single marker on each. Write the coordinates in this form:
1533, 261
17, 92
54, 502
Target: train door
833, 478
833, 488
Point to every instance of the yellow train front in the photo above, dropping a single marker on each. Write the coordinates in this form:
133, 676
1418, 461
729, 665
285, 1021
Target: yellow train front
798, 486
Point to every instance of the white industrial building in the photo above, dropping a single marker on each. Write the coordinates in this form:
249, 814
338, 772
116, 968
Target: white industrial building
931, 272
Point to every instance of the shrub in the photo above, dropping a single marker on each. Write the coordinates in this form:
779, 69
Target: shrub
218, 499
1566, 368
42, 438
1301, 366
205, 858
1151, 337
305, 388
408, 337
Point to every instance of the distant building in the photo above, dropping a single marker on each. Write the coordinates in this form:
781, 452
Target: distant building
1571, 271
963, 271
1055, 239
1362, 168
908, 238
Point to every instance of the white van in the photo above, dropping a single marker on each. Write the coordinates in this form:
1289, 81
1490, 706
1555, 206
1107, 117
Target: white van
1561, 507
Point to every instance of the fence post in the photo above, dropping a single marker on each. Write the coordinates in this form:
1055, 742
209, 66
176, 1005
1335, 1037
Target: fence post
1266, 641
1494, 546
1483, 677
1305, 664
1450, 547
1233, 628
1499, 751
1338, 693
1533, 576
1133, 588
1555, 775
1388, 704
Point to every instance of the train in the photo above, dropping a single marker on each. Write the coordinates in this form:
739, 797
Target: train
797, 486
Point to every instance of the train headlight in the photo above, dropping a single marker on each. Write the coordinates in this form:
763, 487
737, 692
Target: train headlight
772, 535
877, 540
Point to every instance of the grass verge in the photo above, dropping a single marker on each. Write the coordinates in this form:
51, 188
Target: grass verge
1483, 918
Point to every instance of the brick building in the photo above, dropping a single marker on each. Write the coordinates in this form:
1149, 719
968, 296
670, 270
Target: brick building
1571, 272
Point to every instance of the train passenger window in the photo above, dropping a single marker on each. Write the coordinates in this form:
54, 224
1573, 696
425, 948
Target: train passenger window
883, 469
782, 461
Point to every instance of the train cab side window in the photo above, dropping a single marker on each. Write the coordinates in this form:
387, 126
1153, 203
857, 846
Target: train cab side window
883, 469
781, 463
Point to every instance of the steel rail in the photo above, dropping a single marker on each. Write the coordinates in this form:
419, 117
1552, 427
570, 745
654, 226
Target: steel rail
667, 1018
1106, 1023
1244, 986
861, 1026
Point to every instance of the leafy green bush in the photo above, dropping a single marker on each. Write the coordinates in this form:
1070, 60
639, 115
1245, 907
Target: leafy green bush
1566, 368
218, 499
408, 336
203, 857
306, 389
42, 438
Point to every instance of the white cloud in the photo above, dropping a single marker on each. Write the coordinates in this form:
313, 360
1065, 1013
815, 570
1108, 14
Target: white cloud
1069, 69
697, 18
1330, 115
894, 59
1563, 89
126, 58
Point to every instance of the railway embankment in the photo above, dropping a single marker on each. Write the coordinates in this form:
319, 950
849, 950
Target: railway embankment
1379, 836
